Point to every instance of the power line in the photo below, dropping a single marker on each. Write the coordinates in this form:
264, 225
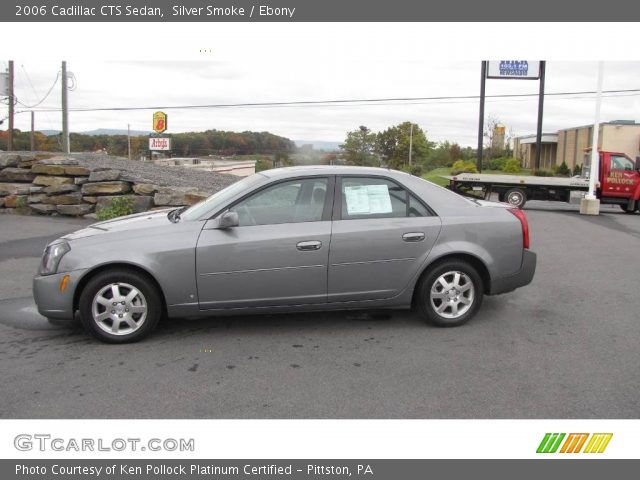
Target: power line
34, 90
367, 101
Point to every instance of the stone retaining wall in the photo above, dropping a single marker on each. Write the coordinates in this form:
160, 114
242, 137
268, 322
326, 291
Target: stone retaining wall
46, 184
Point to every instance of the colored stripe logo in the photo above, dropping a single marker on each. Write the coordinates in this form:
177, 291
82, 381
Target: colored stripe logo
574, 443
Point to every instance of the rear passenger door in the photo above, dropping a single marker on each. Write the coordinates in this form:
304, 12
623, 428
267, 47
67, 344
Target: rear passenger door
381, 235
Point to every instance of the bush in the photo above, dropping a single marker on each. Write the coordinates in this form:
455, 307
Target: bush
120, 206
497, 163
22, 206
577, 170
543, 173
416, 170
512, 165
461, 166
562, 169
262, 164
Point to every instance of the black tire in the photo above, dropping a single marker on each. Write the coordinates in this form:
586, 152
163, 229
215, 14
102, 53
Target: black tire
626, 209
428, 308
148, 298
516, 197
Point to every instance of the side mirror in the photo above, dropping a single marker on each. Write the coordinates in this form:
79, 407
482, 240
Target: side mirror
228, 220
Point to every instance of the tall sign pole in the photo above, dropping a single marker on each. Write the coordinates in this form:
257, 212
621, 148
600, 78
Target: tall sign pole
540, 109
483, 80
590, 204
65, 111
32, 137
129, 140
410, 143
11, 107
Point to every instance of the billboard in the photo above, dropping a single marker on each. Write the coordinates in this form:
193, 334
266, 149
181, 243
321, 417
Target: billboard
159, 143
159, 122
515, 69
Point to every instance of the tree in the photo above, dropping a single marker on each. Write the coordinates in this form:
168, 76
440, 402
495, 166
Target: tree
359, 147
455, 152
394, 144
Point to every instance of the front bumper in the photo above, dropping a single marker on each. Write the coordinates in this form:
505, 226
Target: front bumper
521, 278
51, 302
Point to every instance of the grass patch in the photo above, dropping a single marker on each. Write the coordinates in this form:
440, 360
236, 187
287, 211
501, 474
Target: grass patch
120, 206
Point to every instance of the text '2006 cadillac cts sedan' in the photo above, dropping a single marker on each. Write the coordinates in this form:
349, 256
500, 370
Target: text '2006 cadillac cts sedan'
291, 239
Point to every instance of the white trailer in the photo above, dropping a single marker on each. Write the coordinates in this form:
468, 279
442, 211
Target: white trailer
517, 189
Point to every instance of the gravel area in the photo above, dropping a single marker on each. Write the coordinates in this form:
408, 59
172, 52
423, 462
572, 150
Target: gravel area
138, 171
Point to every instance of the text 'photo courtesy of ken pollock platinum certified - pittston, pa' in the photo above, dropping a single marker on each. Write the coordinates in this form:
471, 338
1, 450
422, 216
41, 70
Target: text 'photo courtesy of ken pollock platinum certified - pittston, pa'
154, 11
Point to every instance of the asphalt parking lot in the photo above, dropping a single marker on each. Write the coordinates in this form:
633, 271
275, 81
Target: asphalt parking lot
566, 346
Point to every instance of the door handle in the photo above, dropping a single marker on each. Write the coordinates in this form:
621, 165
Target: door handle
413, 237
309, 245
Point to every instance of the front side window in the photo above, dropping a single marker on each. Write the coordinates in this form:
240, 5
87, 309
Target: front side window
378, 198
294, 201
621, 163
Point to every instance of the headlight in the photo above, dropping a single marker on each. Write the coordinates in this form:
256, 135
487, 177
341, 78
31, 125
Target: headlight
52, 256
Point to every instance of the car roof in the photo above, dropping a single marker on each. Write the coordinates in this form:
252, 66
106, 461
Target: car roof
328, 170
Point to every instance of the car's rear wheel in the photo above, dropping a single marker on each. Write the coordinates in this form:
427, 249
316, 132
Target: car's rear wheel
120, 306
516, 197
450, 294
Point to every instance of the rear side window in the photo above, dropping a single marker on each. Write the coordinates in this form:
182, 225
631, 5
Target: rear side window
368, 197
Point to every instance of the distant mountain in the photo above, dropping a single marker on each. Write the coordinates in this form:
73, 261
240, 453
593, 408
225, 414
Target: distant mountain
50, 133
99, 131
319, 145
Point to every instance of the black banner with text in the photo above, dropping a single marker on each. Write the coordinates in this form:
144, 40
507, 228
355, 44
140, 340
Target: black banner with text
314, 11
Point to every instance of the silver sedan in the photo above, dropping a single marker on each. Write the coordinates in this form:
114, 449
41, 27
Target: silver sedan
292, 239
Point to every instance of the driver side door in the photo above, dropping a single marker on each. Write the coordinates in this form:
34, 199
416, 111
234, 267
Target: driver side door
276, 256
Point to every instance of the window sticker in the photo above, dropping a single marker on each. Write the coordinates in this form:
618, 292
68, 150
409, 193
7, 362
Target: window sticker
367, 199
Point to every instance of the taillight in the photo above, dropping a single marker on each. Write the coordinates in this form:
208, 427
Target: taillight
525, 225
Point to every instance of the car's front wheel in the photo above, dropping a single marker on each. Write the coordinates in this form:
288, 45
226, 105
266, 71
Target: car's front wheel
450, 294
120, 306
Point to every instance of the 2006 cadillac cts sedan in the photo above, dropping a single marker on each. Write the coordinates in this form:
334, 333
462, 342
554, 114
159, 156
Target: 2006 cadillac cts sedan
291, 239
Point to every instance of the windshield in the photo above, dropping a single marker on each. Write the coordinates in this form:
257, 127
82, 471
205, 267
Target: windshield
218, 199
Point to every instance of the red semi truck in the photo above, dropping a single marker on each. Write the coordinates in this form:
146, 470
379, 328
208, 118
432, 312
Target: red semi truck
618, 183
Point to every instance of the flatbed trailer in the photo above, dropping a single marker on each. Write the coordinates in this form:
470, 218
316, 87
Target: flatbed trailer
517, 189
618, 184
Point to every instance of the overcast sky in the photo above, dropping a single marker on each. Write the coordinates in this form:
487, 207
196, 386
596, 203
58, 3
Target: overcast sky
270, 78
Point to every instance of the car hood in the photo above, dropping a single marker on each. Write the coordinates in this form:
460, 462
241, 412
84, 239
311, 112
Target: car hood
130, 222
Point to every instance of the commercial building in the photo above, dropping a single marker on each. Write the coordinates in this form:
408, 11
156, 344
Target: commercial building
524, 149
570, 144
617, 136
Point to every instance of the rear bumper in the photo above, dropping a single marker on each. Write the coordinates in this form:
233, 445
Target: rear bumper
521, 278
51, 302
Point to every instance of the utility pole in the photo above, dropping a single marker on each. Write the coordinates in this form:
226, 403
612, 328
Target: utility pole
32, 137
540, 108
410, 143
483, 80
129, 140
65, 111
590, 205
11, 107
